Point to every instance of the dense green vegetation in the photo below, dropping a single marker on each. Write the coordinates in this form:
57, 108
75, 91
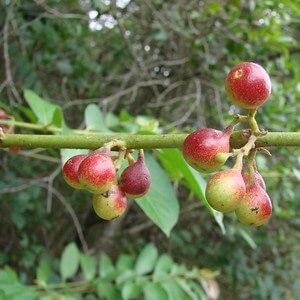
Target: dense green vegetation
144, 67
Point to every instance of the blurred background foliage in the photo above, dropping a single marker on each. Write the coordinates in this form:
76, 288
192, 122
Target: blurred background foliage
149, 66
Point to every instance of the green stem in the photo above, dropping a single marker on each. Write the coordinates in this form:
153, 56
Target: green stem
38, 127
252, 122
136, 141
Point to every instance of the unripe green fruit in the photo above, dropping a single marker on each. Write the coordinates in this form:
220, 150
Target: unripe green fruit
225, 190
256, 207
97, 172
111, 204
70, 171
135, 180
248, 85
204, 148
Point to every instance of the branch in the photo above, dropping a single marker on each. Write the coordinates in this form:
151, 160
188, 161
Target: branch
136, 141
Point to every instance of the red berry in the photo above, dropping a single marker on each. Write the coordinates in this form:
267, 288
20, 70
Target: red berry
70, 170
135, 180
256, 207
248, 85
97, 172
225, 190
3, 114
14, 149
111, 204
201, 147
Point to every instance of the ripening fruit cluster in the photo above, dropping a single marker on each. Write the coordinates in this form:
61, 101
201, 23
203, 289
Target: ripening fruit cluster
96, 173
240, 189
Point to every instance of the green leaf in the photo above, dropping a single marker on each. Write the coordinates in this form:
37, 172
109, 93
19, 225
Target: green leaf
106, 267
88, 265
65, 154
187, 288
131, 290
146, 260
69, 261
42, 274
106, 290
198, 290
94, 119
174, 291
176, 166
46, 112
162, 267
247, 237
154, 291
124, 262
160, 204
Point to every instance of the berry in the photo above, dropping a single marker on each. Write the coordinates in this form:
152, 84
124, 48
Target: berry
256, 207
248, 85
14, 149
135, 180
97, 172
257, 178
225, 190
204, 148
111, 204
70, 170
3, 114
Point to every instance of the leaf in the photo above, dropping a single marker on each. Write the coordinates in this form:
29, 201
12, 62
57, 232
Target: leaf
160, 204
46, 112
88, 265
42, 274
162, 267
146, 260
247, 237
106, 267
124, 262
65, 154
187, 288
154, 291
70, 261
106, 290
94, 119
177, 167
174, 291
131, 290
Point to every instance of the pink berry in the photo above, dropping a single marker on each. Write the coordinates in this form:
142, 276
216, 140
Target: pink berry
256, 207
202, 147
70, 170
97, 172
135, 180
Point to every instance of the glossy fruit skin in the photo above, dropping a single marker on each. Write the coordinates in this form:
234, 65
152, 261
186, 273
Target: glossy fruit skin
257, 178
97, 172
135, 180
70, 171
111, 204
201, 147
256, 207
248, 85
225, 190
